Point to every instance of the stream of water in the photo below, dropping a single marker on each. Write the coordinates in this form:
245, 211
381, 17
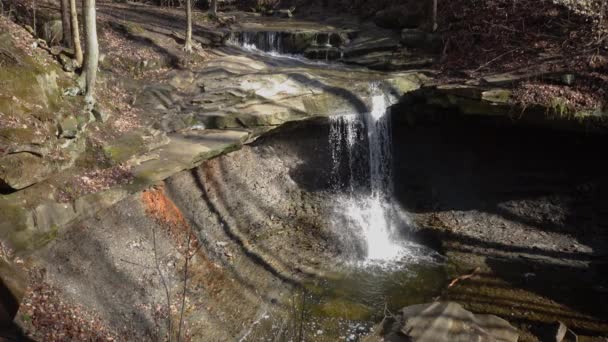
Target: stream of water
266, 43
257, 41
366, 209
270, 44
381, 269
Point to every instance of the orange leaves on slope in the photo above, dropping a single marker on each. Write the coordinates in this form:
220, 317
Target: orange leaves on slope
166, 213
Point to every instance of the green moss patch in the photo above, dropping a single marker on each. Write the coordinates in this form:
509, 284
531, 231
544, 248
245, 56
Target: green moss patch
125, 147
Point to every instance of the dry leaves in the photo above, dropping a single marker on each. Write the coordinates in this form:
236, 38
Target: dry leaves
166, 213
94, 181
584, 94
503, 35
48, 318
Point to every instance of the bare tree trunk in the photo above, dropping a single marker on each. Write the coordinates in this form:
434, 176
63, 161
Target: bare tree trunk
188, 44
434, 18
92, 47
34, 18
65, 22
75, 32
213, 8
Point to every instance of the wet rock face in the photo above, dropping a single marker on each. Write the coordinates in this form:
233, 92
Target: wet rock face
323, 53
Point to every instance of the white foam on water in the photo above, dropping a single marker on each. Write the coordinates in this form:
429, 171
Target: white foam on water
372, 217
248, 41
271, 42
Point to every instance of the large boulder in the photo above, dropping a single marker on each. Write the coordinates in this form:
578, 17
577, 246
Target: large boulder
410, 14
12, 289
446, 322
21, 170
52, 32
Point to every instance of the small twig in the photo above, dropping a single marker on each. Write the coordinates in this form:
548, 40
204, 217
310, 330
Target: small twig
134, 263
34, 18
162, 278
301, 330
463, 277
188, 256
444, 53
502, 26
495, 59
456, 280
387, 312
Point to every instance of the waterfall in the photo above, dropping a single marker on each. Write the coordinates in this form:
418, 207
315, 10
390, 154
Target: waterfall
260, 41
364, 175
379, 139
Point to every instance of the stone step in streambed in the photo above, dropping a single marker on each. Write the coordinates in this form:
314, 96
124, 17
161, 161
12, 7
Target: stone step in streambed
359, 44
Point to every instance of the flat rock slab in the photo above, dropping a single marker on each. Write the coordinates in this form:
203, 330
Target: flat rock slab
245, 92
30, 228
366, 44
448, 322
185, 150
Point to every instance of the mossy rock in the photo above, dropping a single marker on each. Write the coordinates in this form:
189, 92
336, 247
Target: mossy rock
27, 80
13, 217
135, 143
407, 83
18, 229
469, 106
17, 135
327, 104
497, 95
20, 170
32, 239
470, 92
125, 147
133, 28
341, 308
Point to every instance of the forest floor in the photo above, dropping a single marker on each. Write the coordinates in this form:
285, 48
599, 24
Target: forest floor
531, 36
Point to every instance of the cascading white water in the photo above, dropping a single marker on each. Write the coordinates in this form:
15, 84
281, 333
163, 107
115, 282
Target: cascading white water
379, 138
367, 211
257, 41
270, 44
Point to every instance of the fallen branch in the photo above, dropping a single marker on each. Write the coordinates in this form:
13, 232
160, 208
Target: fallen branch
464, 277
495, 59
133, 263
